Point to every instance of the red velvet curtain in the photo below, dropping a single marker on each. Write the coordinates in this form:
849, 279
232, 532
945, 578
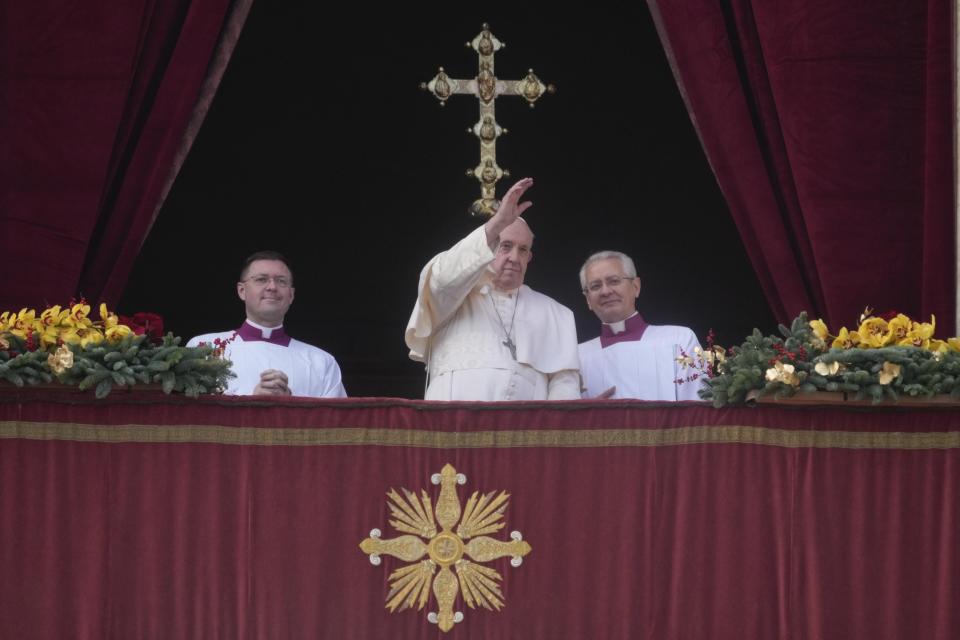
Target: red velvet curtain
239, 518
829, 128
99, 103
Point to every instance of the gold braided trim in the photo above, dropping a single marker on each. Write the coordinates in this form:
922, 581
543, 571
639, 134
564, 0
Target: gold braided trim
480, 439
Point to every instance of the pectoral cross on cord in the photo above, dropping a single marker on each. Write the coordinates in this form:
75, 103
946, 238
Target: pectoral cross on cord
508, 343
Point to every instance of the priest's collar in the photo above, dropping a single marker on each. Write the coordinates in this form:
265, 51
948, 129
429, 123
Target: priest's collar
250, 331
629, 330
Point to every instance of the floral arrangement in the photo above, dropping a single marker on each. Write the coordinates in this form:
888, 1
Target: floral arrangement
886, 356
66, 345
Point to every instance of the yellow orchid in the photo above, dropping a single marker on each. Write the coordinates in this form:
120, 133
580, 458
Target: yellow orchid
846, 339
920, 334
954, 344
109, 319
874, 332
784, 373
117, 332
8, 319
93, 337
73, 335
915, 339
820, 329
23, 323
50, 325
49, 337
899, 327
939, 346
889, 372
53, 316
64, 325
79, 316
82, 336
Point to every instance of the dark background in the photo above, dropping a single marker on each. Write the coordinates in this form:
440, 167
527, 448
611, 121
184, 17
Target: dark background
320, 145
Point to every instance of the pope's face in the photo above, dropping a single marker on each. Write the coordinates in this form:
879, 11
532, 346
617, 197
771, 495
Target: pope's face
267, 292
512, 257
610, 293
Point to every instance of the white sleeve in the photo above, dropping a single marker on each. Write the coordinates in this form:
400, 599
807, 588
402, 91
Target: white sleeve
564, 385
333, 381
451, 275
445, 283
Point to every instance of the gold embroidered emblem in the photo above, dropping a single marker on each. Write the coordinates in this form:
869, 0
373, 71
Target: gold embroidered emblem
462, 550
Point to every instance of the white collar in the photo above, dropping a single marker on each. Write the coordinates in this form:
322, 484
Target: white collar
619, 327
490, 289
267, 331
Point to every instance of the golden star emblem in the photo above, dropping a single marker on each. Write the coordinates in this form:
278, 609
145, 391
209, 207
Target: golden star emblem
462, 550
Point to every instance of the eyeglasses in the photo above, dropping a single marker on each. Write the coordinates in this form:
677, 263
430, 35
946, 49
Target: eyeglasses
612, 282
282, 282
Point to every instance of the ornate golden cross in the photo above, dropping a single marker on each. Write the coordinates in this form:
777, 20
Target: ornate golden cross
487, 87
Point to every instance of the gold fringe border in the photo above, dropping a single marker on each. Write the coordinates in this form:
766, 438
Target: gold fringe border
516, 438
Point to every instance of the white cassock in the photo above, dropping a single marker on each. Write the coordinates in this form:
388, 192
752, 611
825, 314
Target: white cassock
644, 368
311, 371
461, 324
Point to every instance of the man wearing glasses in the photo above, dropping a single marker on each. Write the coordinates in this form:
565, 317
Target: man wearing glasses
266, 360
481, 332
630, 358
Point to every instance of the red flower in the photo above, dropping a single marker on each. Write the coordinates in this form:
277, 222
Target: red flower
152, 324
128, 321
147, 323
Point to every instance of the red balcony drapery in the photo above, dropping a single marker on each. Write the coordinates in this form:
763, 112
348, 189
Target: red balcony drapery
227, 517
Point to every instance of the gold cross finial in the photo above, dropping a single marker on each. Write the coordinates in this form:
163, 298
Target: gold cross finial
487, 88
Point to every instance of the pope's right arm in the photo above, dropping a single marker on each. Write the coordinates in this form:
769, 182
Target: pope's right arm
448, 279
445, 283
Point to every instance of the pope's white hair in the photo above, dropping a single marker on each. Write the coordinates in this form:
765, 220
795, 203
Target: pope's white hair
527, 225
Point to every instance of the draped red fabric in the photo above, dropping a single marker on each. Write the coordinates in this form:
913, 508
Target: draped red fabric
99, 102
828, 126
138, 517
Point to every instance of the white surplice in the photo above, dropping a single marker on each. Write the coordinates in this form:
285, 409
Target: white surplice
645, 369
311, 372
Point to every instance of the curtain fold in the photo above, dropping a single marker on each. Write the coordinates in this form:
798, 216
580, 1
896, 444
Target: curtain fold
828, 129
99, 103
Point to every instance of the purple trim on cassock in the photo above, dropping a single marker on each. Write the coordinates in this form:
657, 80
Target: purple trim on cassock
249, 333
633, 331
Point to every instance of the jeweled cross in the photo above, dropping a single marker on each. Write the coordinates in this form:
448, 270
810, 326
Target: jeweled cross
487, 88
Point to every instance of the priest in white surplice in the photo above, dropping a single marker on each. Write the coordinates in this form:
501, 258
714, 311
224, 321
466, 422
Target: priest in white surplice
266, 360
482, 333
630, 358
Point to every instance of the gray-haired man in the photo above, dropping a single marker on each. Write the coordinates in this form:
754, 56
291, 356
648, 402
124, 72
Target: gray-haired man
630, 358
